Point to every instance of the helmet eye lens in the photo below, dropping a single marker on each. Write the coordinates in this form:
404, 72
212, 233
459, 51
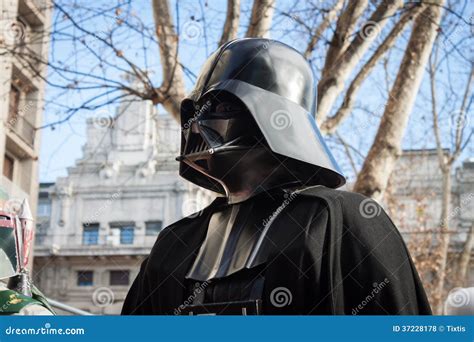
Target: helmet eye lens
223, 119
227, 108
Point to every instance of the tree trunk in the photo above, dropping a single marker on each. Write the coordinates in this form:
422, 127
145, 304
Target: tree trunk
331, 124
444, 239
344, 27
261, 19
319, 31
465, 258
372, 179
172, 89
231, 25
446, 161
336, 73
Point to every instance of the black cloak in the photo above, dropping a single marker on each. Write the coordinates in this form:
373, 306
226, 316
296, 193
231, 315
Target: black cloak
337, 252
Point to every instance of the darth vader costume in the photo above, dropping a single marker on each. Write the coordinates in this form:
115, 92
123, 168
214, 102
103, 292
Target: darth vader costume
280, 239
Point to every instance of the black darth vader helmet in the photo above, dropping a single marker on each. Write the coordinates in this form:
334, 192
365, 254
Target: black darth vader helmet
250, 118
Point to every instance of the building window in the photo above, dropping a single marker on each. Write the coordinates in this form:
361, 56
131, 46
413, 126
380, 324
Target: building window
44, 208
90, 234
126, 231
121, 277
8, 165
126, 235
41, 231
85, 278
152, 228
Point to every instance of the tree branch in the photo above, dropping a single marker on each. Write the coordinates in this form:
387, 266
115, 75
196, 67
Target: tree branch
231, 25
261, 19
318, 32
172, 89
337, 72
344, 28
330, 125
372, 179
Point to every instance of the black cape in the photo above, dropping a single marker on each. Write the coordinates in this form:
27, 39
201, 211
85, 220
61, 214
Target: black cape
334, 253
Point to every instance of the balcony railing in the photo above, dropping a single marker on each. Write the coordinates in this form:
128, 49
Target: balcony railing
23, 128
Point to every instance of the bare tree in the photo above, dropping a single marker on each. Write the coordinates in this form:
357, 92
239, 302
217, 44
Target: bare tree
345, 26
440, 246
172, 89
373, 177
261, 19
231, 25
465, 258
340, 61
446, 161
322, 27
331, 123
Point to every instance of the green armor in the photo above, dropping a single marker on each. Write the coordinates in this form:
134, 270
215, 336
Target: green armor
12, 302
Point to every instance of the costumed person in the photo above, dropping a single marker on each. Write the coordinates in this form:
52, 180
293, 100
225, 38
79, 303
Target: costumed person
18, 296
280, 239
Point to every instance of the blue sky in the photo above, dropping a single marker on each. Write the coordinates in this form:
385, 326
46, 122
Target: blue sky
62, 146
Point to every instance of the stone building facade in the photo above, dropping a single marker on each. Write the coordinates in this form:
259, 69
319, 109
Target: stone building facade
416, 193
96, 225
24, 26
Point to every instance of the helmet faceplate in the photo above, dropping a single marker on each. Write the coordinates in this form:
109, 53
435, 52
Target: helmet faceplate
276, 85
